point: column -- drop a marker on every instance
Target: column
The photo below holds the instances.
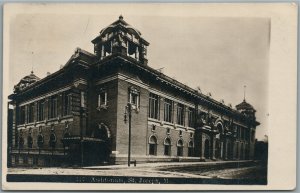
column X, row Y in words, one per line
column 186, row 116
column 26, row 114
column 202, row 146
column 233, row 150
column 213, row 147
column 60, row 105
column 174, row 110
column 225, row 149
column 137, row 53
column 46, row 107
column 35, row 112
column 161, row 108
column 102, row 51
column 221, row 149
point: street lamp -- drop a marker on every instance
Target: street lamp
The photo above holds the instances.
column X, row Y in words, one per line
column 128, row 110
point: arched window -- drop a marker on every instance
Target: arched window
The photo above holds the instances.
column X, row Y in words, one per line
column 52, row 140
column 191, row 149
column 21, row 140
column 220, row 128
column 29, row 141
column 40, row 140
column 152, row 145
column 179, row 147
column 167, row 146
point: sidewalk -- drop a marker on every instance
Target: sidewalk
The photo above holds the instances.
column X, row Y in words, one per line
column 167, row 164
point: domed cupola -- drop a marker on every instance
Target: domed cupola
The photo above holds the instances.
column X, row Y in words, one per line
column 121, row 38
column 246, row 108
column 25, row 82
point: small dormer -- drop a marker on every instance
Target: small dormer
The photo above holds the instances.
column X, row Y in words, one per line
column 121, row 38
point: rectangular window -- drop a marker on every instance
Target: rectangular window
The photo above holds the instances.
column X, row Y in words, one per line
column 134, row 97
column 102, row 99
column 191, row 117
column 67, row 104
column 53, row 107
column 168, row 110
column 41, row 110
column 153, row 106
column 30, row 113
column 180, row 114
column 22, row 115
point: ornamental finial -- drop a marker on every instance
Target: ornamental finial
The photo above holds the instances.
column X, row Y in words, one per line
column 245, row 92
column 120, row 17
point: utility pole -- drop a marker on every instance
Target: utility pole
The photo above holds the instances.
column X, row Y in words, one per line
column 81, row 135
column 82, row 107
column 128, row 109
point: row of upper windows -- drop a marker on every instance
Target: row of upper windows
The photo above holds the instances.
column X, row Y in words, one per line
column 154, row 105
column 168, row 105
column 245, row 134
column 36, row 111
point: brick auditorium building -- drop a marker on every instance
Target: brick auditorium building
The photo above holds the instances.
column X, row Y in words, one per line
column 81, row 113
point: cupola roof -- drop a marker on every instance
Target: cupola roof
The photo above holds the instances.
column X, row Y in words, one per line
column 26, row 81
column 244, row 106
column 120, row 22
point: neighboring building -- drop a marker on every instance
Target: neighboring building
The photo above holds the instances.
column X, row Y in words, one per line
column 80, row 114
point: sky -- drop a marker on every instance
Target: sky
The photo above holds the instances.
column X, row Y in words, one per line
column 219, row 54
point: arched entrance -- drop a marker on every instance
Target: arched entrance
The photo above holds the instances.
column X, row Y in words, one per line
column 219, row 152
column 97, row 150
column 206, row 149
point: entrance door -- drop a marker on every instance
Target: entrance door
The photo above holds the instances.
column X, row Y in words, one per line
column 206, row 149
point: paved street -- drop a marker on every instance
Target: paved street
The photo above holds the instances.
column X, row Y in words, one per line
column 203, row 170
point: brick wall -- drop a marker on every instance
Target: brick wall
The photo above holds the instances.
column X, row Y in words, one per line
column 139, row 121
column 107, row 115
column 161, row 134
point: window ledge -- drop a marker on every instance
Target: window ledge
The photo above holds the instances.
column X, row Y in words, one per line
column 104, row 106
column 154, row 120
column 168, row 123
column 190, row 128
column 180, row 126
